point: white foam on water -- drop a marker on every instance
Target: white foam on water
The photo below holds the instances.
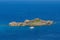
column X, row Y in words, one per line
column 31, row 27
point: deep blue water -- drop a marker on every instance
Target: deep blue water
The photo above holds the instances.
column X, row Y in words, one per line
column 19, row 11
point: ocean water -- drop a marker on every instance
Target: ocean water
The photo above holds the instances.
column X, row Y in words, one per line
column 19, row 11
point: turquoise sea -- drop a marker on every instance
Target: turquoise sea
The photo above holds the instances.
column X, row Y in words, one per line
column 19, row 11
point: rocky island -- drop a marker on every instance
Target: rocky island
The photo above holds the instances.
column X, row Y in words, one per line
column 34, row 22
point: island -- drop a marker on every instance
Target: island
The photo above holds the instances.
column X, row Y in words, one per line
column 32, row 23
